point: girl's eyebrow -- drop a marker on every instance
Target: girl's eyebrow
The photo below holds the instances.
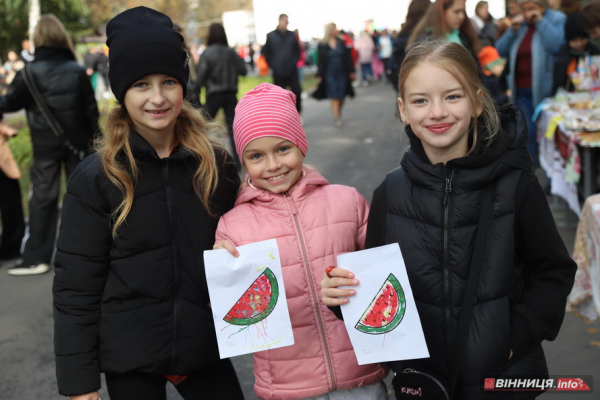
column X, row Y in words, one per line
column 278, row 144
column 445, row 91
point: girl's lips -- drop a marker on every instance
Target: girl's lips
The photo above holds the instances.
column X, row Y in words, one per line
column 439, row 128
column 156, row 113
column 279, row 177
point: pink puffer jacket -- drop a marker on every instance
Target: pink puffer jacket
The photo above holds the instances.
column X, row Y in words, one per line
column 313, row 223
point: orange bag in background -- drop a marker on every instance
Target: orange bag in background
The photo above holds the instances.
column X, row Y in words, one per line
column 262, row 66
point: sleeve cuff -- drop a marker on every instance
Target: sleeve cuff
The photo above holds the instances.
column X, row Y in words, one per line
column 77, row 374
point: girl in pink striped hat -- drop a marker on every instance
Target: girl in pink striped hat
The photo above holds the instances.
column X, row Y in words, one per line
column 313, row 222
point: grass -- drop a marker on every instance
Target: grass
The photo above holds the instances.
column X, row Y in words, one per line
column 21, row 145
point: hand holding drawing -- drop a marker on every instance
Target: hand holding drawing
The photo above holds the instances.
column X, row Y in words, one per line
column 330, row 294
column 227, row 245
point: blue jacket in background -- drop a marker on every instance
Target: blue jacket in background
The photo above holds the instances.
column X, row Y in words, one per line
column 548, row 39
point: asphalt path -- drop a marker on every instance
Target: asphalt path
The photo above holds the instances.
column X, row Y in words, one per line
column 359, row 154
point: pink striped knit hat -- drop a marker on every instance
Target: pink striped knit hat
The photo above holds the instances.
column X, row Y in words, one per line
column 267, row 110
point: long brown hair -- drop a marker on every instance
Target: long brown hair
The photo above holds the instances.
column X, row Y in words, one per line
column 192, row 131
column 435, row 20
column 49, row 31
column 457, row 60
column 416, row 10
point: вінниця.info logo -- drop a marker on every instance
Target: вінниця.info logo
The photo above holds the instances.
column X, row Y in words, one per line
column 554, row 383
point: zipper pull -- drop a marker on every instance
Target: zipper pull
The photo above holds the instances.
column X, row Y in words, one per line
column 447, row 191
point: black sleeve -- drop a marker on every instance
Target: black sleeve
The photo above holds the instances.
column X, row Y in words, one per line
column 548, row 270
column 17, row 95
column 560, row 74
column 376, row 228
column 266, row 50
column 81, row 268
column 321, row 59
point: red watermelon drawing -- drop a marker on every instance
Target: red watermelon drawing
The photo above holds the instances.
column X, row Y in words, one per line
column 386, row 310
column 257, row 302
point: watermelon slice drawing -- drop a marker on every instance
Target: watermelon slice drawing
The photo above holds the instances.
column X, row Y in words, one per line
column 386, row 310
column 257, row 302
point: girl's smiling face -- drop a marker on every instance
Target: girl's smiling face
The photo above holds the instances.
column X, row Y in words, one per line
column 438, row 109
column 154, row 102
column 273, row 163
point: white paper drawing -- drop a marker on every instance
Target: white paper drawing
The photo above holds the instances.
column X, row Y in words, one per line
column 382, row 318
column 248, row 300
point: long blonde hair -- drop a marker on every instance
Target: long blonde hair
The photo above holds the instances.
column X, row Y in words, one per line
column 192, row 131
column 328, row 32
column 457, row 60
column 49, row 31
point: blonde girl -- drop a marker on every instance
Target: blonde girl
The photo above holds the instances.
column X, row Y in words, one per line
column 459, row 145
column 130, row 296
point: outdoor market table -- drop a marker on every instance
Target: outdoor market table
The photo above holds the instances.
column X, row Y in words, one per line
column 560, row 159
column 584, row 299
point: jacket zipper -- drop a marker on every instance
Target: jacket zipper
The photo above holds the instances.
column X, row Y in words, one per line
column 314, row 297
column 176, row 299
column 447, row 293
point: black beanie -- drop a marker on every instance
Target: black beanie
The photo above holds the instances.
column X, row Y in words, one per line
column 573, row 29
column 141, row 42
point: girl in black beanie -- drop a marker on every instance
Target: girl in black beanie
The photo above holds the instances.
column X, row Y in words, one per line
column 130, row 295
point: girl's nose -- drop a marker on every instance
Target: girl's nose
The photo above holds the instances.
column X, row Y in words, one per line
column 157, row 96
column 272, row 163
column 437, row 110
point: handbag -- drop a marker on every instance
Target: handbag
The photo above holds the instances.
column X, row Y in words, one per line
column 410, row 383
column 48, row 116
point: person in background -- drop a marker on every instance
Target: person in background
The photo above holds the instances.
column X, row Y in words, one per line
column 566, row 6
column 138, row 214
column 385, row 52
column 335, row 72
column 531, row 46
column 11, row 206
column 302, row 60
column 416, row 11
column 12, row 65
column 218, row 72
column 578, row 46
column 590, row 20
column 492, row 66
column 66, row 89
column 365, row 47
column 26, row 54
column 447, row 20
column 282, row 53
column 485, row 23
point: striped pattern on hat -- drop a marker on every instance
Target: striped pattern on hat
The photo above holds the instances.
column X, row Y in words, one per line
column 267, row 110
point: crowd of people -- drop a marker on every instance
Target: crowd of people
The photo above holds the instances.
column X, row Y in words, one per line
column 154, row 190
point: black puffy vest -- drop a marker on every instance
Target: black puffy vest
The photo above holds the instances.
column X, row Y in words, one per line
column 432, row 212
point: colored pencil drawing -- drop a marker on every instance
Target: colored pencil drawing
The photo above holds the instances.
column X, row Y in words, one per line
column 386, row 310
column 257, row 302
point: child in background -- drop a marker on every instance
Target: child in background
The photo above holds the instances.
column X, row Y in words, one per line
column 130, row 295
column 313, row 222
column 492, row 66
column 461, row 144
column 578, row 46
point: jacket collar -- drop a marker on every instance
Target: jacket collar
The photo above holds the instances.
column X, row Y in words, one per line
column 44, row 53
column 487, row 162
column 144, row 151
column 305, row 186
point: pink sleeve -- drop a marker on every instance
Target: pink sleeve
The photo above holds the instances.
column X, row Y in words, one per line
column 363, row 216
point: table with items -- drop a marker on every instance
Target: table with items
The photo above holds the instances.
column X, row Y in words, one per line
column 584, row 299
column 568, row 125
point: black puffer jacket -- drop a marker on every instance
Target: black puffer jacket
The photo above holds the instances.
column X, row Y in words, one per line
column 219, row 68
column 432, row 212
column 67, row 90
column 139, row 301
column 282, row 52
